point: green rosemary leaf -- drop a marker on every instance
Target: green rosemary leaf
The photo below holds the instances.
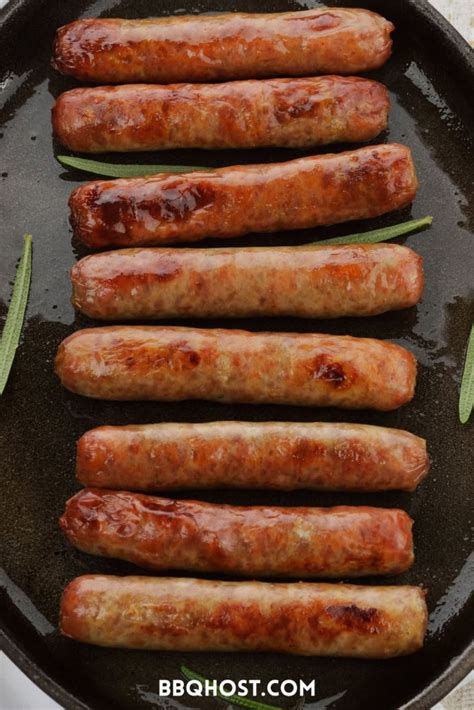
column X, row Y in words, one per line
column 379, row 235
column 466, row 396
column 122, row 171
column 16, row 313
column 233, row 699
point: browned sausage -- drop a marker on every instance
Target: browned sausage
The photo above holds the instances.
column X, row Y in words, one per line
column 172, row 614
column 261, row 541
column 227, row 46
column 229, row 202
column 275, row 455
column 172, row 364
column 308, row 282
column 242, row 114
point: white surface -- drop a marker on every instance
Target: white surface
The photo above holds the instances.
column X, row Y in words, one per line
column 461, row 698
column 17, row 692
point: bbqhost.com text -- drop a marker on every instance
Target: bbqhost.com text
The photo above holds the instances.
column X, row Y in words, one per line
column 252, row 688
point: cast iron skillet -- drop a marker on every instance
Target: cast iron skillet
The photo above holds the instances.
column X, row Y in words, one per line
column 430, row 78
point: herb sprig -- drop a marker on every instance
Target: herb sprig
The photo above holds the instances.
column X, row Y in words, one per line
column 120, row 170
column 380, row 235
column 466, row 395
column 233, row 699
column 16, row 312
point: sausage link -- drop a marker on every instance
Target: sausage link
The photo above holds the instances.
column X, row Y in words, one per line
column 307, row 282
column 272, row 455
column 230, row 202
column 261, row 541
column 294, row 113
column 228, row 46
column 174, row 364
column 170, row 614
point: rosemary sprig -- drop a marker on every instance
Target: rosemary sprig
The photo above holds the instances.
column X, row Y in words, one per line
column 380, row 235
column 233, row 699
column 466, row 395
column 122, row 171
column 16, row 313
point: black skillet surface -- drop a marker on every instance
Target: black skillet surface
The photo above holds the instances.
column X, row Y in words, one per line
column 430, row 77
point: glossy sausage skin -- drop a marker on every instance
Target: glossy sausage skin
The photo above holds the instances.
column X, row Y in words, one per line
column 307, row 282
column 170, row 614
column 293, row 113
column 227, row 46
column 229, row 202
column 174, row 364
column 271, row 455
column 261, row 541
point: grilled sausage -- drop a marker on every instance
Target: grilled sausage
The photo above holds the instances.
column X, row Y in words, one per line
column 229, row 202
column 294, row 113
column 273, row 455
column 308, row 282
column 170, row 614
column 228, row 46
column 262, row 541
column 173, row 364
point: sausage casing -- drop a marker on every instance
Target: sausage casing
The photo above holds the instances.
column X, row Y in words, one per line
column 201, row 615
column 229, row 202
column 227, row 46
column 308, row 282
column 174, row 363
column 273, row 455
column 260, row 541
column 294, row 113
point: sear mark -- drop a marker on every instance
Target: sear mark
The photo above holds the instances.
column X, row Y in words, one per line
column 353, row 617
column 322, row 368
